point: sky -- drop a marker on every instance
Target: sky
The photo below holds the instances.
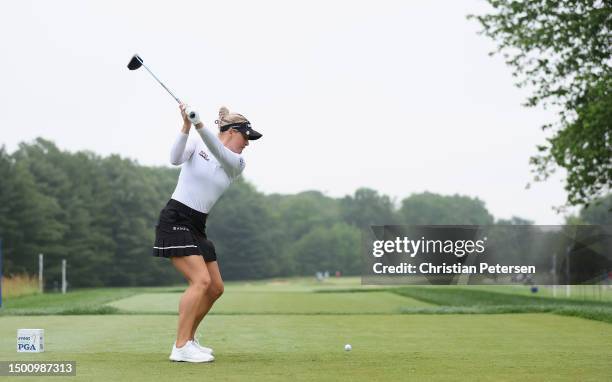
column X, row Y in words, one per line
column 398, row 96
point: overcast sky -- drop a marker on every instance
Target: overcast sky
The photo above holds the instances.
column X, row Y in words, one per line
column 399, row 96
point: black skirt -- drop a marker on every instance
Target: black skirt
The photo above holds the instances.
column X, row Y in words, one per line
column 181, row 231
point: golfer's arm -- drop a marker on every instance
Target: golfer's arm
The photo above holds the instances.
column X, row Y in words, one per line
column 181, row 151
column 231, row 162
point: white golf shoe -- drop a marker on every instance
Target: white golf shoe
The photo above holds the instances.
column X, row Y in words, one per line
column 202, row 348
column 189, row 353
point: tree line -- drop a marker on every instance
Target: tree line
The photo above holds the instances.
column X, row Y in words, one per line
column 99, row 213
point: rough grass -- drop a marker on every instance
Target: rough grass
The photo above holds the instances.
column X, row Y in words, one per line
column 475, row 301
column 478, row 300
column 19, row 285
column 596, row 292
column 467, row 296
column 84, row 301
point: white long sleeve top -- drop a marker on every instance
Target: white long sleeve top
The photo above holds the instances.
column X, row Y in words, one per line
column 208, row 168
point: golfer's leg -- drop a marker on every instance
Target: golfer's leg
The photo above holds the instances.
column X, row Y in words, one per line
column 195, row 271
column 214, row 291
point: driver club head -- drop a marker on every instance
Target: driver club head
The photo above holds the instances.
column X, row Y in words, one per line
column 135, row 62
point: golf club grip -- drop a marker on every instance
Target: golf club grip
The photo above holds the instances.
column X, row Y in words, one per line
column 193, row 116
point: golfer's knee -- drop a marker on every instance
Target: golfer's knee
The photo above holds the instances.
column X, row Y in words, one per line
column 215, row 290
column 201, row 284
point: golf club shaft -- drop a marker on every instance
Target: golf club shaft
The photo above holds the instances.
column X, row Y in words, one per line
column 161, row 83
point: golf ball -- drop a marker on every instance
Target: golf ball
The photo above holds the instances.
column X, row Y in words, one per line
column 348, row 347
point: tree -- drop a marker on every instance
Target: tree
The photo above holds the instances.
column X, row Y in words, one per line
column 34, row 216
column 562, row 50
column 300, row 213
column 98, row 213
column 367, row 208
column 240, row 228
column 9, row 227
column 515, row 220
column 328, row 249
column 599, row 212
column 428, row 208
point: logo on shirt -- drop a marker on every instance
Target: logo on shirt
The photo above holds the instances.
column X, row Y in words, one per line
column 203, row 155
column 175, row 228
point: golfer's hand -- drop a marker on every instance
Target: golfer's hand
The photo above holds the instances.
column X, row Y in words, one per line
column 186, row 121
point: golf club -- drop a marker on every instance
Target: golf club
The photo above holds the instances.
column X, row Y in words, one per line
column 136, row 62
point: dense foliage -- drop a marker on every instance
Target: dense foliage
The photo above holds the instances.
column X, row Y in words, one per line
column 99, row 213
column 562, row 51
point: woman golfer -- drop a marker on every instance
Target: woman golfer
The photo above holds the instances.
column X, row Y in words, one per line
column 210, row 165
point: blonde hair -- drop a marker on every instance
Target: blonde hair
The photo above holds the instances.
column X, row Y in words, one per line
column 226, row 118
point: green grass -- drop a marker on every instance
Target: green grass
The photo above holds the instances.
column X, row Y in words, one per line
column 306, row 296
column 280, row 285
column 299, row 284
column 468, row 296
column 296, row 329
column 599, row 293
column 85, row 301
column 277, row 303
column 477, row 301
column 526, row 347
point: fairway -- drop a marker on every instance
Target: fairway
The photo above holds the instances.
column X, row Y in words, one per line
column 278, row 303
column 527, row 347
